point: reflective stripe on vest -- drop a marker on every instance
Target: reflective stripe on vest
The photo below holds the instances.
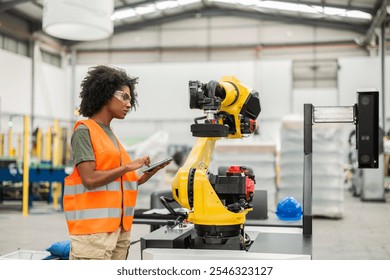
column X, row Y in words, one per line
column 130, row 186
column 129, row 211
column 97, row 213
column 79, row 188
column 93, row 214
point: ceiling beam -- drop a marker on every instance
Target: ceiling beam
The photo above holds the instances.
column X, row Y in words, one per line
column 380, row 16
column 262, row 46
column 6, row 5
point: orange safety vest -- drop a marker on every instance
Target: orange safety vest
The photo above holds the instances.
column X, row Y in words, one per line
column 105, row 208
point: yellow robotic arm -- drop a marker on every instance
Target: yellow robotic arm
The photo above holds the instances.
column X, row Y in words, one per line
column 219, row 203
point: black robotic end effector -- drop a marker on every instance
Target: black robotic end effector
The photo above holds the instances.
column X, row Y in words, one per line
column 249, row 112
column 367, row 128
column 207, row 97
column 209, row 130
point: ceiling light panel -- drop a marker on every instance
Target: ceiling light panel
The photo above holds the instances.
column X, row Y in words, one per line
column 296, row 7
column 148, row 9
column 163, row 5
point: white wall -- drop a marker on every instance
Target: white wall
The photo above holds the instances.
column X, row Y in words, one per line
column 356, row 73
column 315, row 96
column 15, row 86
column 52, row 98
column 52, row 92
column 274, row 83
column 361, row 73
column 15, row 89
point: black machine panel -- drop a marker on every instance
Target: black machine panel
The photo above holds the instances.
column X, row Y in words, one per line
column 367, row 128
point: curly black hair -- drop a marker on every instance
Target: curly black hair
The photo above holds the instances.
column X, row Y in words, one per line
column 99, row 85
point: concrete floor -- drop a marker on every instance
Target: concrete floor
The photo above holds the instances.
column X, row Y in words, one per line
column 362, row 234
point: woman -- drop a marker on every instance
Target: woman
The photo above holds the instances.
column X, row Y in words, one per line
column 100, row 194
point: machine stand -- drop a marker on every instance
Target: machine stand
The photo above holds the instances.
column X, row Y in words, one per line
column 364, row 115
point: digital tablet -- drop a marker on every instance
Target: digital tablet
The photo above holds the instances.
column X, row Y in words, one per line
column 153, row 166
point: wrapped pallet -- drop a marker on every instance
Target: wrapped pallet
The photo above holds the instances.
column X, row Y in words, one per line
column 327, row 166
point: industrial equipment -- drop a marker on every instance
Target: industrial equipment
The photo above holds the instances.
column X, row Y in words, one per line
column 364, row 115
column 218, row 204
column 216, row 224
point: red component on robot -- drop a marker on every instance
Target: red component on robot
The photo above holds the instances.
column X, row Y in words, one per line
column 250, row 187
column 249, row 183
column 234, row 169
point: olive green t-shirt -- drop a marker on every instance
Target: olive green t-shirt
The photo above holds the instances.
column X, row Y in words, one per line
column 82, row 146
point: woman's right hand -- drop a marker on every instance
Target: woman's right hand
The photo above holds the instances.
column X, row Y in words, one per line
column 138, row 163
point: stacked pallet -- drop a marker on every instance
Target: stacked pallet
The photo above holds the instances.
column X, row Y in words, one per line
column 327, row 167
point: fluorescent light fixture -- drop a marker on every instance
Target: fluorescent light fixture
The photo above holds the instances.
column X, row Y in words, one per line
column 358, row 14
column 121, row 14
column 334, row 11
column 278, row 5
column 164, row 5
column 301, row 8
column 187, row 2
column 239, row 2
column 275, row 5
column 150, row 8
column 145, row 9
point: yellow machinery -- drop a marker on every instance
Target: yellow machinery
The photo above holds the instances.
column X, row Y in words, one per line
column 218, row 204
column 46, row 169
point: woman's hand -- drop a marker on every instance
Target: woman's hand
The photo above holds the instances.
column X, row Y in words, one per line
column 138, row 163
column 147, row 175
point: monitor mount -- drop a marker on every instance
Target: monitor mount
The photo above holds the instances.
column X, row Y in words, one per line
column 364, row 115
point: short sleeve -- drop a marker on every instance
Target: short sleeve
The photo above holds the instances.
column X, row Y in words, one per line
column 81, row 145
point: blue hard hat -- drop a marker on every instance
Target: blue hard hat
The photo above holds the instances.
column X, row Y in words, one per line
column 289, row 209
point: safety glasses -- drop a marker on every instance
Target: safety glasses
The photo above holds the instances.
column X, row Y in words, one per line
column 122, row 96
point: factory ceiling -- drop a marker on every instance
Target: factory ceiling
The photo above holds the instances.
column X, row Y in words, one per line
column 361, row 16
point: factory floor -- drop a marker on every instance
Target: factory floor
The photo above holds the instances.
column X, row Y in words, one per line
column 362, row 234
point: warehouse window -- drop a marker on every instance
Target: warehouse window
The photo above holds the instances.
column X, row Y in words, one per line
column 13, row 45
column 22, row 48
column 50, row 58
column 319, row 73
column 10, row 44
